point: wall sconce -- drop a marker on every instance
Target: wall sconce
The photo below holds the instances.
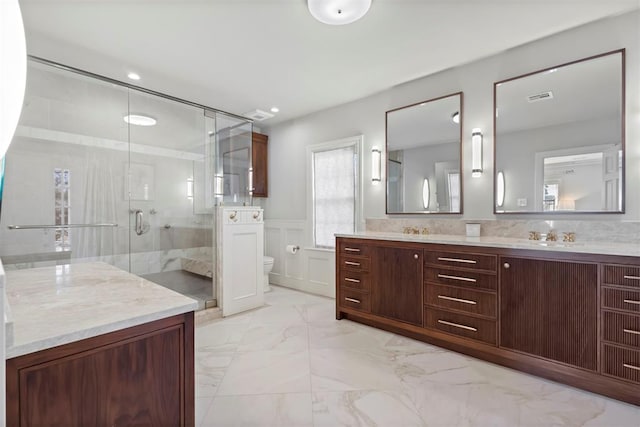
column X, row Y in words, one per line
column 218, row 185
column 376, row 165
column 500, row 189
column 426, row 193
column 190, row 188
column 476, row 152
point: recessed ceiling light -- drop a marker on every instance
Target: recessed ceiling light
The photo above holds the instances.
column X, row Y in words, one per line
column 274, row 109
column 455, row 117
column 338, row 12
column 422, row 104
column 140, row 120
column 134, row 76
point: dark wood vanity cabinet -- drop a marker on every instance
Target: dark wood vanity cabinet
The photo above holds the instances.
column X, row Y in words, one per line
column 383, row 280
column 142, row 375
column 396, row 291
column 569, row 317
column 550, row 309
column 259, row 157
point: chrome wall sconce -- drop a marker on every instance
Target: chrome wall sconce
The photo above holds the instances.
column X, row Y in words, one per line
column 500, row 189
column 426, row 193
column 190, row 188
column 476, row 152
column 376, row 165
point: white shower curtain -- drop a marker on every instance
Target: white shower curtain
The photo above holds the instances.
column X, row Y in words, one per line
column 99, row 206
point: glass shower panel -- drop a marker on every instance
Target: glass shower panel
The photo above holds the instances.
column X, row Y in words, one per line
column 171, row 231
column 63, row 199
column 233, row 160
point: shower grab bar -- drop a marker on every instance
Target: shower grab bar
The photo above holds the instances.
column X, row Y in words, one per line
column 34, row 227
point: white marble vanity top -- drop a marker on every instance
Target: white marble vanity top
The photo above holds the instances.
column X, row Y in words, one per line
column 56, row 305
column 603, row 248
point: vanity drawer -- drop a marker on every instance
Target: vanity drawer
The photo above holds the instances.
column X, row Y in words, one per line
column 461, row 325
column 348, row 247
column 467, row 300
column 621, row 275
column 462, row 260
column 355, row 280
column 621, row 299
column 621, row 328
column 355, row 299
column 354, row 263
column 621, row 362
column 467, row 279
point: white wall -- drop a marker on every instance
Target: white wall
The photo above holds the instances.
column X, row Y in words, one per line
column 287, row 141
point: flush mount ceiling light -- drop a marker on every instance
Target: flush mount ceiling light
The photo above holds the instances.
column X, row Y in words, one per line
column 140, row 120
column 455, row 117
column 338, row 12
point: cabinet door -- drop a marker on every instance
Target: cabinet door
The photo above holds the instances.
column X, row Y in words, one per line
column 259, row 163
column 549, row 309
column 134, row 382
column 396, row 290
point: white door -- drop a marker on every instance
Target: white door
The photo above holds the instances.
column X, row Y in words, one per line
column 240, row 255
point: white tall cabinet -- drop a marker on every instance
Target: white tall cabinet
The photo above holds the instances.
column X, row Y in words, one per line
column 240, row 231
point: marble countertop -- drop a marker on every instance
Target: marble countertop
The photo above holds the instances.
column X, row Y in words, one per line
column 51, row 306
column 602, row 248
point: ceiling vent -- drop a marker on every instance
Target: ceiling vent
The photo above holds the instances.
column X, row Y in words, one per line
column 258, row 115
column 543, row 96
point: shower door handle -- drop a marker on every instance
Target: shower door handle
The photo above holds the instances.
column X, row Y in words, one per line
column 139, row 222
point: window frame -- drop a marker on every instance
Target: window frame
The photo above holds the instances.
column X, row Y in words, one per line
column 357, row 143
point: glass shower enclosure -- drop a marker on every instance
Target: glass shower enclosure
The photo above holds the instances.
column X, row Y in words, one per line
column 100, row 171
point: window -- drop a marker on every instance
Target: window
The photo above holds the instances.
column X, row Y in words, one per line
column 61, row 181
column 335, row 183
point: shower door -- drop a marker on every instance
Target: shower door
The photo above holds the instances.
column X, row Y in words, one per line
column 171, row 230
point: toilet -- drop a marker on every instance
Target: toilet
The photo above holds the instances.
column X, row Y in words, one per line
column 268, row 265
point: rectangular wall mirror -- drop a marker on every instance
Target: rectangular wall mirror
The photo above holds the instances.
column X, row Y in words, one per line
column 559, row 138
column 423, row 157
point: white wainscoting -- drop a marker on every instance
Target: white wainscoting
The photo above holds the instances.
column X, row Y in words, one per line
column 309, row 270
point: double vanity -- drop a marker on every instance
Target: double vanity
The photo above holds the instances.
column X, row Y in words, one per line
column 569, row 312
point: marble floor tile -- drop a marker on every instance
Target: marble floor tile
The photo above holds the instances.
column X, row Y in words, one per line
column 364, row 408
column 265, row 410
column 293, row 337
column 291, row 363
column 270, row 371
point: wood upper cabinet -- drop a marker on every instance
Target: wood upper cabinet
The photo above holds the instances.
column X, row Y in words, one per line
column 550, row 309
column 396, row 283
column 259, row 163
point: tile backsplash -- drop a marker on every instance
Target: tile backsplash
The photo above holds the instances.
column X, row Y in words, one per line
column 601, row 231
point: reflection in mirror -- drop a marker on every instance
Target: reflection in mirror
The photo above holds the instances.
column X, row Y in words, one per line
column 423, row 157
column 559, row 138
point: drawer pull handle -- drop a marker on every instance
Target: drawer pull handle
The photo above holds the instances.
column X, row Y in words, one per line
column 630, row 301
column 357, row 264
column 351, row 250
column 632, row 277
column 465, row 301
column 349, row 279
column 357, row 301
column 457, row 325
column 626, row 365
column 465, row 261
column 631, row 331
column 464, row 279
